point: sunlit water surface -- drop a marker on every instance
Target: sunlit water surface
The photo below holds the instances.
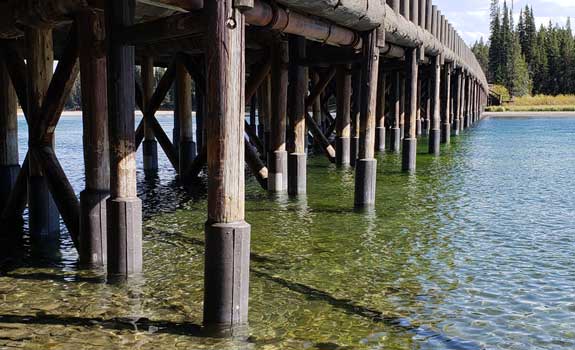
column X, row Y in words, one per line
column 477, row 251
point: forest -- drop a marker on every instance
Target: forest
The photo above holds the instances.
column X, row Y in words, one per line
column 525, row 59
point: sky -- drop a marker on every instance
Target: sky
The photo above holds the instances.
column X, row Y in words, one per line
column 471, row 17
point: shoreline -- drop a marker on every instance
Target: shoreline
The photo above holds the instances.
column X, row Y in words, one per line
column 529, row 114
column 79, row 113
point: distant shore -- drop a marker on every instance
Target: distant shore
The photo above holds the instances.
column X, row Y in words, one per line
column 530, row 114
column 77, row 113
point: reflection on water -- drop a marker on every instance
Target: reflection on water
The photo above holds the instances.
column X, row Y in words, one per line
column 474, row 252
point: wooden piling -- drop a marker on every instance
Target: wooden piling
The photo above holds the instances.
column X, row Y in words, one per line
column 43, row 214
column 355, row 114
column 343, row 119
column 226, row 279
column 150, row 145
column 366, row 165
column 395, row 133
column 380, row 112
column 93, row 224
column 435, row 132
column 446, row 110
column 277, row 154
column 457, row 104
column 183, row 112
column 9, row 166
column 410, row 140
column 124, row 208
column 297, row 159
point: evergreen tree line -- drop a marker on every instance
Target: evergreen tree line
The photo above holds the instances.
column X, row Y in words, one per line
column 524, row 59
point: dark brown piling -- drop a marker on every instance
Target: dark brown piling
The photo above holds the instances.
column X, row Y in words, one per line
column 150, row 145
column 395, row 132
column 435, row 132
column 366, row 165
column 93, row 223
column 355, row 114
column 380, row 111
column 124, row 208
column 343, row 119
column 9, row 166
column 446, row 110
column 457, row 104
column 410, row 140
column 183, row 112
column 226, row 278
column 297, row 159
column 277, row 154
column 43, row 214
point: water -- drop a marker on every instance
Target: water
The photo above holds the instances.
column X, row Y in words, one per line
column 474, row 252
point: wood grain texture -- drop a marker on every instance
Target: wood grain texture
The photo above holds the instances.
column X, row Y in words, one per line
column 121, row 101
column 370, row 71
column 8, row 119
column 91, row 34
column 225, row 79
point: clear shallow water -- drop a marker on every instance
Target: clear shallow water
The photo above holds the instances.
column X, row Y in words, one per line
column 474, row 252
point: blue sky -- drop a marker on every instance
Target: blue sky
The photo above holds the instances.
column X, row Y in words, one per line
column 471, row 17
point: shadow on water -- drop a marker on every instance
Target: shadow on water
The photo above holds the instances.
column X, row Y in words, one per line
column 345, row 305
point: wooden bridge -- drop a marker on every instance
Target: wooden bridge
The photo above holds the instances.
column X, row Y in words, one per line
column 396, row 70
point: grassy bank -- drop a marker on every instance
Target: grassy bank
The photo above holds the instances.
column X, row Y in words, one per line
column 538, row 103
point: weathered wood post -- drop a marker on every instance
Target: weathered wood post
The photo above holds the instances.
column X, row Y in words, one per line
column 410, row 140
column 9, row 166
column 435, row 132
column 200, row 113
column 277, row 157
column 43, row 214
column 124, row 208
column 343, row 127
column 402, row 105
column 355, row 114
column 418, row 120
column 226, row 278
column 395, row 133
column 265, row 113
column 428, row 92
column 466, row 98
column 380, row 111
column 457, row 103
column 93, row 223
column 183, row 112
column 150, row 145
column 316, row 107
column 366, row 165
column 446, row 112
column 297, row 161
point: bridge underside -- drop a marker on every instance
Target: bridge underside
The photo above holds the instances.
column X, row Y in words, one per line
column 394, row 71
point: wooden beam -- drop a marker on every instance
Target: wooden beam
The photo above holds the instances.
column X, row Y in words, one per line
column 17, row 70
column 178, row 27
column 61, row 189
column 58, row 92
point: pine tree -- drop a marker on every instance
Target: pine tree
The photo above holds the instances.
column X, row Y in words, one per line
column 481, row 52
column 495, row 52
column 520, row 81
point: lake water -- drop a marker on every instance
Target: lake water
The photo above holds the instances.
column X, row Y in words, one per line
column 476, row 251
